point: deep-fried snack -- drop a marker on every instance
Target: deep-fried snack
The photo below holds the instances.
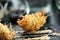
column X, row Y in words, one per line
column 5, row 33
column 32, row 22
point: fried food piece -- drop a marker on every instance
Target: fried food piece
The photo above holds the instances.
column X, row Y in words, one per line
column 5, row 33
column 32, row 22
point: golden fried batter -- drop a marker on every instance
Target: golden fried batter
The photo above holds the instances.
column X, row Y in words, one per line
column 4, row 33
column 32, row 22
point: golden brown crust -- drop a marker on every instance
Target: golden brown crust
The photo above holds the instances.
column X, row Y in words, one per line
column 32, row 22
column 4, row 33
